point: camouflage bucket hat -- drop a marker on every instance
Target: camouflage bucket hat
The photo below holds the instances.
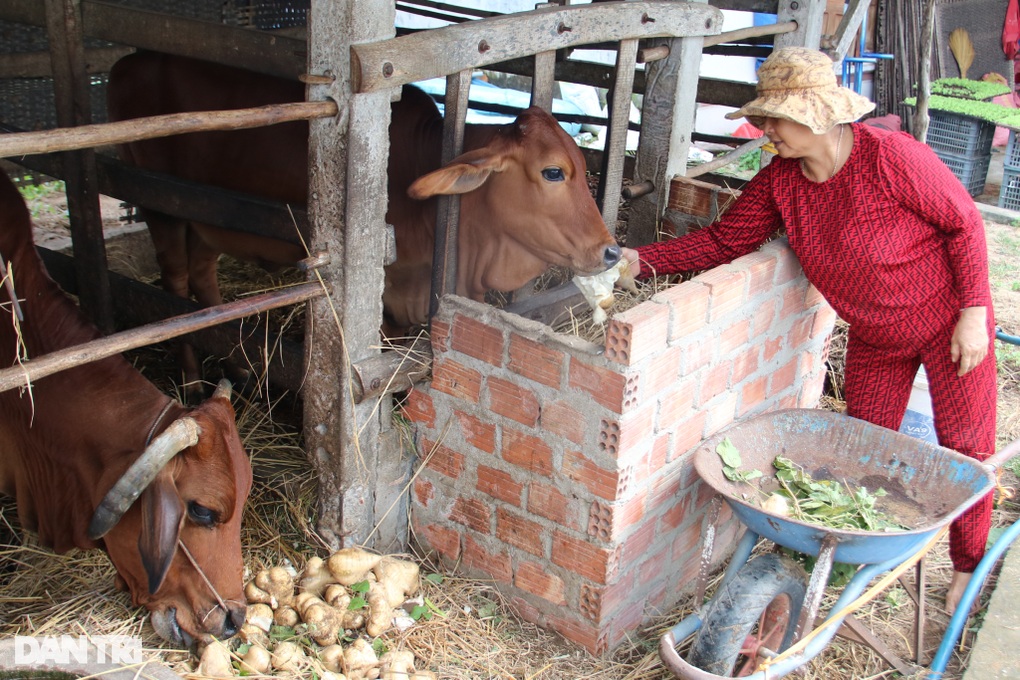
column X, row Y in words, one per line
column 798, row 84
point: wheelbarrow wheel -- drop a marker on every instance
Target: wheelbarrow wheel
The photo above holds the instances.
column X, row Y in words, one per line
column 756, row 610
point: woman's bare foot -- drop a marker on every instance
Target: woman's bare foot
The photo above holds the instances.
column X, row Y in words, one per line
column 955, row 590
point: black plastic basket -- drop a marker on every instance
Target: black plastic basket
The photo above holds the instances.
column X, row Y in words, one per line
column 1011, row 161
column 971, row 171
column 959, row 135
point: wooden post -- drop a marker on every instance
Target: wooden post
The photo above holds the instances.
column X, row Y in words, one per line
column 608, row 197
column 71, row 93
column 921, row 119
column 667, row 121
column 347, row 205
column 809, row 15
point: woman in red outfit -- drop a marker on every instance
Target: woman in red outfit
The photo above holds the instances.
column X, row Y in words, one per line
column 893, row 242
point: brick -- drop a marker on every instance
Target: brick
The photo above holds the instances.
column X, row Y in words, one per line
column 495, row 564
column 714, row 382
column 627, row 619
column 418, row 408
column 661, row 373
column 637, row 333
column 598, row 480
column 812, row 297
column 793, row 302
column 783, row 377
column 811, row 392
column 476, row 339
column 535, row 361
column 689, row 434
column 424, row 492
column 477, row 433
column 771, row 349
column 655, row 568
column 549, row 502
column 689, row 304
column 472, row 513
column 442, row 459
column 500, row 485
column 799, row 332
column 512, row 401
column 677, row 514
column 562, row 419
column 583, row 558
column 659, row 454
column 439, row 335
column 787, row 267
column 608, row 388
column 753, row 394
column 721, row 413
column 687, row 544
column 665, row 490
column 608, row 522
column 744, row 364
column 725, row 290
column 734, row 337
column 697, row 354
column 637, row 544
column 537, row 580
column 527, row 452
column 675, row 406
column 456, row 379
column 442, row 539
column 761, row 271
column 519, row 532
column 825, row 319
column 764, row 317
column 580, row 633
column 626, row 439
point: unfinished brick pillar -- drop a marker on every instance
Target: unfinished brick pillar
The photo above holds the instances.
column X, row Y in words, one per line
column 562, row 470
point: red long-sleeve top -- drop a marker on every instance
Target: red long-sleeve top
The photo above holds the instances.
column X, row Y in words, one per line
column 893, row 241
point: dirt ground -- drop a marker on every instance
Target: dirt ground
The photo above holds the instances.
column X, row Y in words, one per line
column 478, row 637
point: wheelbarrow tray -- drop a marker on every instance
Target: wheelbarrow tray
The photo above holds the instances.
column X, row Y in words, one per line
column 927, row 485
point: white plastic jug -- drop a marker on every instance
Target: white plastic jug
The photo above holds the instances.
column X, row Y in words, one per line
column 918, row 421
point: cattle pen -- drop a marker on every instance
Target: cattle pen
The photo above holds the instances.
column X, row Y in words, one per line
column 557, row 467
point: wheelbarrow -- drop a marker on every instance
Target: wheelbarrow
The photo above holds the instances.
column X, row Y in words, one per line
column 764, row 605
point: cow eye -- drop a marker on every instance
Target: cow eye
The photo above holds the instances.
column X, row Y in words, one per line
column 553, row 174
column 201, row 515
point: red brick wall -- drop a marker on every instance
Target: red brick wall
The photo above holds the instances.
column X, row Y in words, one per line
column 562, row 469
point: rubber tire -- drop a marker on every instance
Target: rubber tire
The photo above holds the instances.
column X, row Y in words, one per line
column 736, row 609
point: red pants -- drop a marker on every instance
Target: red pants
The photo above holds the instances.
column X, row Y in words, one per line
column 877, row 388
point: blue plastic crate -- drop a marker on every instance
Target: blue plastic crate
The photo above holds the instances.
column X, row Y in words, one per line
column 1009, row 192
column 972, row 172
column 959, row 135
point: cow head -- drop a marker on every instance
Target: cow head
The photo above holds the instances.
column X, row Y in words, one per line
column 178, row 548
column 527, row 186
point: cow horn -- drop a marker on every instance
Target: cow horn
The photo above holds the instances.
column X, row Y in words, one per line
column 223, row 390
column 181, row 434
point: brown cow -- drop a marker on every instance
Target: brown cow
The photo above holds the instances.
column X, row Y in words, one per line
column 88, row 441
column 525, row 202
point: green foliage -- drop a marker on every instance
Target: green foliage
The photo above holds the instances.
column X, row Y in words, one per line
column 732, row 462
column 379, row 646
column 965, row 88
column 435, row 579
column 829, row 503
column 993, row 113
column 750, row 161
column 839, row 575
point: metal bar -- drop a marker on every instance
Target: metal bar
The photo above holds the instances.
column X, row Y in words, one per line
column 817, row 584
column 86, row 136
column 34, row 369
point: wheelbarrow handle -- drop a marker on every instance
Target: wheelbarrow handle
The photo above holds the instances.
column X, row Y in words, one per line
column 997, row 460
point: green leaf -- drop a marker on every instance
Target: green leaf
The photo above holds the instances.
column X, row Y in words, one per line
column 729, row 453
column 360, row 587
column 379, row 646
column 435, row 579
column 281, row 633
column 357, row 603
column 420, row 612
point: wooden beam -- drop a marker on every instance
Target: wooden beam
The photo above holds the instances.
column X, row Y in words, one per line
column 87, row 136
column 809, row 15
column 441, row 51
column 39, row 64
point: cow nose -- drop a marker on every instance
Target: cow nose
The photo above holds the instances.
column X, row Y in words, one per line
column 611, row 256
column 233, row 621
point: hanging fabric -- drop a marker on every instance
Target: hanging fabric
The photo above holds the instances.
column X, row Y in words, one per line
column 1011, row 29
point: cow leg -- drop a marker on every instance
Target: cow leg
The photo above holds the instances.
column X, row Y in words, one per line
column 170, row 241
column 202, row 261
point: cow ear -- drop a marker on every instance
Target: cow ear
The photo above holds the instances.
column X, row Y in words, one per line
column 463, row 174
column 162, row 516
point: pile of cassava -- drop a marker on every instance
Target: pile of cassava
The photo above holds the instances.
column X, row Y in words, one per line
column 321, row 621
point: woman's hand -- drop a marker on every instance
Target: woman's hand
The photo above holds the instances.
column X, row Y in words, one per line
column 970, row 339
column 633, row 261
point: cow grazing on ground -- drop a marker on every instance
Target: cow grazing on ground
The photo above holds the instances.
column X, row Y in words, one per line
column 97, row 456
column 525, row 203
